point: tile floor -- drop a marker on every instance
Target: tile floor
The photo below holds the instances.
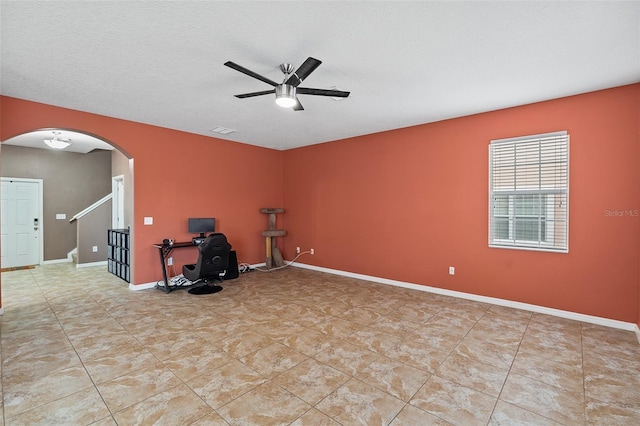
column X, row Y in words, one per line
column 298, row 347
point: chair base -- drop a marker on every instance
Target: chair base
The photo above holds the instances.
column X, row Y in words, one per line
column 205, row 289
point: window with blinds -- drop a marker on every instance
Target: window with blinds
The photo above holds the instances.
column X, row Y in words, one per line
column 529, row 192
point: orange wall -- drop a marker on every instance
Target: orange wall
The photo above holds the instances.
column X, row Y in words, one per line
column 407, row 204
column 176, row 175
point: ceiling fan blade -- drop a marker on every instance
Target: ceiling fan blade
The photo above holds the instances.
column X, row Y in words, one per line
column 303, row 71
column 250, row 73
column 322, row 92
column 297, row 106
column 252, row 94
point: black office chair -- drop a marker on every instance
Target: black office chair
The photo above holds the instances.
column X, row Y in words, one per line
column 212, row 264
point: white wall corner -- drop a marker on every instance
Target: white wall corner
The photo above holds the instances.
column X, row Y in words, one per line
column 71, row 253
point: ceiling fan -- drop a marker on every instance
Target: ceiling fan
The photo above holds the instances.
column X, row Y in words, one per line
column 286, row 93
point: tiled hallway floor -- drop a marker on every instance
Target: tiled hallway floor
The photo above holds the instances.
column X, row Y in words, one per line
column 298, row 347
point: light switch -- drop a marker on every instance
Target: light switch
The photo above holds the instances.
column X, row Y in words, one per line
column 148, row 220
column 61, row 216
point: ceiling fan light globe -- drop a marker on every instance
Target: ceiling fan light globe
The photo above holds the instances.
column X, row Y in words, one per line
column 56, row 143
column 285, row 95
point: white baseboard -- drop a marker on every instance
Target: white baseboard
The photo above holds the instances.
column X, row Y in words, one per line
column 136, row 287
column 495, row 301
column 89, row 264
column 51, row 262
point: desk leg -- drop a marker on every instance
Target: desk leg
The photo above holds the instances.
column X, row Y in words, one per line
column 164, row 269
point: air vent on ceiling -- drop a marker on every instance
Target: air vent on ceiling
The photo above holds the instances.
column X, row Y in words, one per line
column 222, row 130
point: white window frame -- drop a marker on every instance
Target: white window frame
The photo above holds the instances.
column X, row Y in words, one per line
column 555, row 188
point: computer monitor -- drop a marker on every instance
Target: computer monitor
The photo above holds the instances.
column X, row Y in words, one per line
column 202, row 225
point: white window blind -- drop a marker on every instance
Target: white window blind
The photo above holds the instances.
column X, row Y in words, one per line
column 529, row 192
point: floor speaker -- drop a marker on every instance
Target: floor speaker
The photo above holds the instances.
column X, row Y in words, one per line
column 232, row 271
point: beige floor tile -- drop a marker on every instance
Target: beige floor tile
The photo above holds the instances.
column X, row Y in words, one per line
column 68, row 334
column 309, row 342
column 617, row 389
column 360, row 315
column 226, row 383
column 277, row 329
column 493, row 333
column 172, row 345
column 211, row 419
column 476, row 375
column 244, row 343
column 311, row 381
column 273, row 359
column 549, row 401
column 25, row 395
column 100, row 348
column 194, row 363
column 375, row 340
column 569, row 377
column 417, row 354
column 454, row 403
column 314, row 417
column 438, row 334
column 611, row 414
column 398, row 379
column 412, row 416
column 83, row 407
column 487, row 353
column 506, row 414
column 356, row 402
column 29, row 368
column 346, row 357
column 136, row 386
column 118, row 364
column 175, row 406
column 265, row 405
column 336, row 327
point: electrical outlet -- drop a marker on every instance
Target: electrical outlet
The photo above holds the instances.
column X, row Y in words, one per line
column 170, row 261
column 297, row 250
column 452, row 270
column 312, row 251
column 95, row 249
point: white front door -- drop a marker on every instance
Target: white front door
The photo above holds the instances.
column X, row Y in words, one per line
column 21, row 222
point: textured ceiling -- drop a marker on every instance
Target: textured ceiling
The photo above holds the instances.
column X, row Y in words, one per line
column 405, row 63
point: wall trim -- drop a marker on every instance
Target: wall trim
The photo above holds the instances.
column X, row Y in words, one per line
column 89, row 264
column 143, row 286
column 52, row 261
column 628, row 326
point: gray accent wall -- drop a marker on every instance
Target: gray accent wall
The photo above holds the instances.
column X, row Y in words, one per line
column 92, row 232
column 71, row 182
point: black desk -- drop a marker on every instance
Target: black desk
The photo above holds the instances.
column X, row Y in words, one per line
column 164, row 251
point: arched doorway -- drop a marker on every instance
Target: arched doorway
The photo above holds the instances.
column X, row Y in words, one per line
column 73, row 179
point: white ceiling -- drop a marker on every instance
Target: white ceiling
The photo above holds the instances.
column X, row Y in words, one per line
column 405, row 63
